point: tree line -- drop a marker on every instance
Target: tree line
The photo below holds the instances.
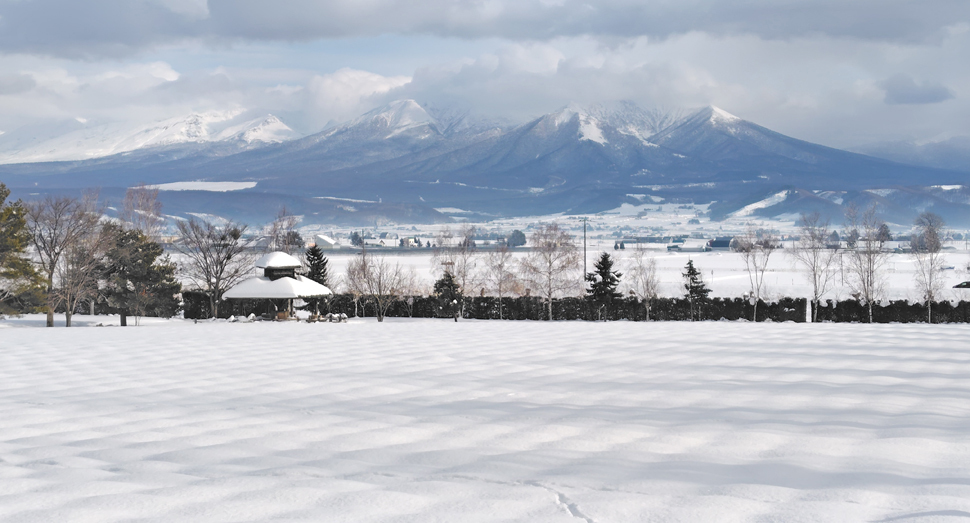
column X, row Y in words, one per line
column 59, row 254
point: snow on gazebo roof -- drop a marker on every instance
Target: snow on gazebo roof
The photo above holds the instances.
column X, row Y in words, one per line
column 277, row 260
column 262, row 287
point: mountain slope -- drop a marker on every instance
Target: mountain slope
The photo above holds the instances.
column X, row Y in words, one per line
column 577, row 159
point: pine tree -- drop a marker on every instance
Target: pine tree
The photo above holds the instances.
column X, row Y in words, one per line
column 697, row 290
column 318, row 271
column 17, row 273
column 137, row 281
column 603, row 282
column 317, row 266
column 448, row 295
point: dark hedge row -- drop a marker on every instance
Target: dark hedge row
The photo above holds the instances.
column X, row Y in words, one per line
column 894, row 311
column 196, row 306
column 522, row 308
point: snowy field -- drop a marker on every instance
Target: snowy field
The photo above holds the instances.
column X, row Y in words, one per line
column 484, row 421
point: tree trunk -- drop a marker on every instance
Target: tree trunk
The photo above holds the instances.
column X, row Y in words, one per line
column 549, row 303
column 67, row 317
column 124, row 318
column 929, row 311
column 754, row 315
column 870, row 311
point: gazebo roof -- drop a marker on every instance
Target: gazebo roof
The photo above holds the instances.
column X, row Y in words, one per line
column 277, row 260
column 262, row 287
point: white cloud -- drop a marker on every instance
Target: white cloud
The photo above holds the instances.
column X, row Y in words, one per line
column 820, row 88
column 97, row 28
column 345, row 93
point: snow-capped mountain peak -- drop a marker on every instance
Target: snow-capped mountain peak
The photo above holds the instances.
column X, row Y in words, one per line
column 84, row 140
column 393, row 118
column 266, row 130
column 719, row 115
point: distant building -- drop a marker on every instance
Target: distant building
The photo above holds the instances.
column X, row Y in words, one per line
column 325, row 243
column 721, row 243
column 693, row 245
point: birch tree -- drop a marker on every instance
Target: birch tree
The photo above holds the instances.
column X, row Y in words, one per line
column 500, row 273
column 926, row 244
column 756, row 248
column 141, row 211
column 643, row 280
column 377, row 280
column 866, row 259
column 812, row 253
column 550, row 267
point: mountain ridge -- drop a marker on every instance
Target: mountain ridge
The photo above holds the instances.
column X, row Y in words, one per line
column 576, row 159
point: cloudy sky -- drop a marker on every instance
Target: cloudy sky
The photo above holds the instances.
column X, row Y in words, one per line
column 838, row 72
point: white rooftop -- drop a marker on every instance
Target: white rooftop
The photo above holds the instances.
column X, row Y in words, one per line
column 277, row 260
column 262, row 287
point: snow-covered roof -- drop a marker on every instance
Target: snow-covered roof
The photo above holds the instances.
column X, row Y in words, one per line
column 262, row 287
column 322, row 239
column 277, row 260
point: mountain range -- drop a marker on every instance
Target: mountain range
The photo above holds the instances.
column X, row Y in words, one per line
column 401, row 162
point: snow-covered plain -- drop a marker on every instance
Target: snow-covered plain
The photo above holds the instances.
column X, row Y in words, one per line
column 484, row 421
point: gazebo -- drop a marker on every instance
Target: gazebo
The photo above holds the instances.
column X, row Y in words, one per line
column 278, row 282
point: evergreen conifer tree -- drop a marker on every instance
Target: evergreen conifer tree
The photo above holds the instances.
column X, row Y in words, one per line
column 448, row 295
column 318, row 271
column 697, row 291
column 17, row 273
column 317, row 266
column 137, row 281
column 602, row 283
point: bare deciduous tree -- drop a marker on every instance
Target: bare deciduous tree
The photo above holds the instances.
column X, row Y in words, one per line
column 411, row 286
column 283, row 235
column 215, row 257
column 79, row 270
column 376, row 280
column 56, row 224
column 500, row 273
column 756, row 248
column 926, row 244
column 551, row 266
column 460, row 259
column 866, row 258
column 642, row 278
column 812, row 253
column 142, row 211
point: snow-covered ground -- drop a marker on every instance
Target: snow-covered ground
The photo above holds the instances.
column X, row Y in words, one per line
column 484, row 421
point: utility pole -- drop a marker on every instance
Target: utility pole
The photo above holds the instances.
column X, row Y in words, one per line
column 584, row 219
